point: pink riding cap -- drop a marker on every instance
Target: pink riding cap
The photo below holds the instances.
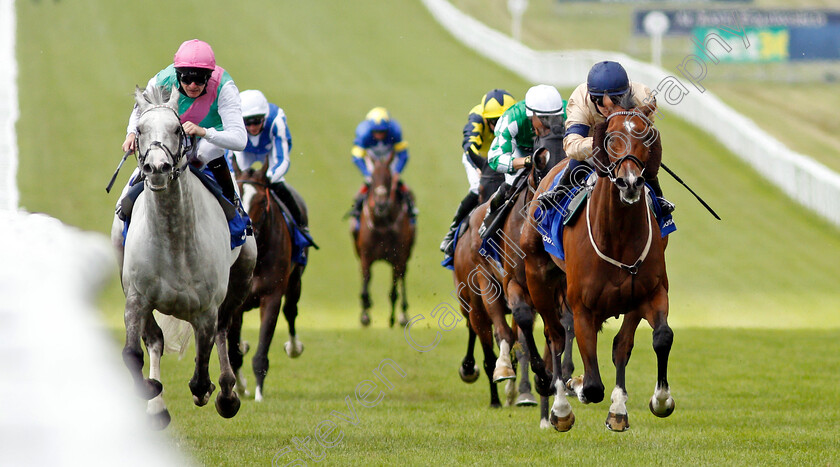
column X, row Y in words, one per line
column 195, row 54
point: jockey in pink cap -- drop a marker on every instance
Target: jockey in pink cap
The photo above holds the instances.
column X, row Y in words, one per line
column 209, row 107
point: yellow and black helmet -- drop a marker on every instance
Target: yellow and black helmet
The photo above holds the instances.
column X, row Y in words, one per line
column 495, row 102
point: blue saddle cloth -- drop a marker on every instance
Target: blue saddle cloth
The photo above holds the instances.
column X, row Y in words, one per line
column 299, row 241
column 550, row 222
column 489, row 248
column 238, row 225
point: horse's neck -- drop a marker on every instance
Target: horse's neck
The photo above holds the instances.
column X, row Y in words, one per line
column 171, row 213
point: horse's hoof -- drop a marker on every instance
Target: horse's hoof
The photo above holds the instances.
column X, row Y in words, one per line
column 159, row 421
column 227, row 406
column 503, row 373
column 562, row 424
column 545, row 424
column 258, row 397
column 526, row 399
column 469, row 377
column 403, row 319
column 365, row 319
column 244, row 347
column 150, row 389
column 617, row 422
column 203, row 400
column 293, row 350
column 664, row 411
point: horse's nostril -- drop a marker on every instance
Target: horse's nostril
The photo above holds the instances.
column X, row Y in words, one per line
column 640, row 182
column 621, row 183
column 147, row 168
column 166, row 167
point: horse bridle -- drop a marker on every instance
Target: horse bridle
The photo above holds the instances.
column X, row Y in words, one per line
column 613, row 167
column 175, row 156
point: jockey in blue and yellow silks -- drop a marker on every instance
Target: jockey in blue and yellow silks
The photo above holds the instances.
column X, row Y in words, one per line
column 378, row 135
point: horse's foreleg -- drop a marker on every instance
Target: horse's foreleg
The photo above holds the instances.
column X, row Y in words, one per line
column 269, row 312
column 365, row 293
column 661, row 404
column 544, row 400
column 590, row 388
column 135, row 322
column 504, row 367
column 393, row 296
column 293, row 346
column 523, row 315
column 561, row 416
column 404, row 314
column 617, row 419
column 205, row 331
column 155, row 408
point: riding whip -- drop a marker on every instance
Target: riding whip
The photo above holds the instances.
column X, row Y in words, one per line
column 690, row 190
column 114, row 177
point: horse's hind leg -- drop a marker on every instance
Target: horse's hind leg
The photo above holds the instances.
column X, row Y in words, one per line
column 399, row 278
column 293, row 347
column 525, row 397
column 617, row 419
column 469, row 369
column 156, row 408
column 269, row 312
column 227, row 401
column 236, row 352
column 393, row 296
column 135, row 322
column 200, row 385
column 484, row 330
column 404, row 315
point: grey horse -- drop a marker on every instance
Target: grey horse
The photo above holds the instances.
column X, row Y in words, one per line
column 177, row 260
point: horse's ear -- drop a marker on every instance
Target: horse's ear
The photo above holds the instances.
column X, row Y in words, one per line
column 232, row 159
column 173, row 98
column 140, row 98
column 540, row 158
column 648, row 107
column 264, row 168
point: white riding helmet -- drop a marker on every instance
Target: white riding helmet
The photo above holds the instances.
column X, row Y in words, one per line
column 253, row 103
column 543, row 99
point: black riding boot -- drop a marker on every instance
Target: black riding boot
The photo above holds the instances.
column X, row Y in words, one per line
column 665, row 206
column 496, row 203
column 219, row 168
column 467, row 204
column 288, row 200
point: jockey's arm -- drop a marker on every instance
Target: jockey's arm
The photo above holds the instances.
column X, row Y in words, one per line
column 503, row 151
column 281, row 140
column 358, row 154
column 233, row 135
column 401, row 149
column 473, row 140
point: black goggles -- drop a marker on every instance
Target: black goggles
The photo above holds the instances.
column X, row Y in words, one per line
column 251, row 121
column 599, row 100
column 196, row 78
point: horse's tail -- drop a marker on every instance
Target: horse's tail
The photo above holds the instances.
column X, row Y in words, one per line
column 176, row 334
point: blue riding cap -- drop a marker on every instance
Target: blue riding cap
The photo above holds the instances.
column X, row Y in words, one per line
column 607, row 78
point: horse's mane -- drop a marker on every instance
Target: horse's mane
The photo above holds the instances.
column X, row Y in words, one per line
column 157, row 95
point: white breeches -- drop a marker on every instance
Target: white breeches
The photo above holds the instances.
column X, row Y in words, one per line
column 473, row 174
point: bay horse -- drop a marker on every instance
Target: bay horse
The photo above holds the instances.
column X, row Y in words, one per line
column 385, row 233
column 177, row 259
column 615, row 265
column 276, row 275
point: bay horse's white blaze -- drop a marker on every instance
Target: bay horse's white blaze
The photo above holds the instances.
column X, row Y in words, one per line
column 504, row 368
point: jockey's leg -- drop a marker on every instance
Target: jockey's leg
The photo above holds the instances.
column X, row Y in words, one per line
column 467, row 204
column 279, row 188
column 665, row 206
column 220, row 170
column 409, row 199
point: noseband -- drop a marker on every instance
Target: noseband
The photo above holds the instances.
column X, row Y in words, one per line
column 175, row 156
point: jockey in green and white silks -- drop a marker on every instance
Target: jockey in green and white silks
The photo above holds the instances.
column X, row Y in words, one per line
column 514, row 139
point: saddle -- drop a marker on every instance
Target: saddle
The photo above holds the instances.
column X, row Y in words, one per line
column 501, row 204
column 127, row 202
